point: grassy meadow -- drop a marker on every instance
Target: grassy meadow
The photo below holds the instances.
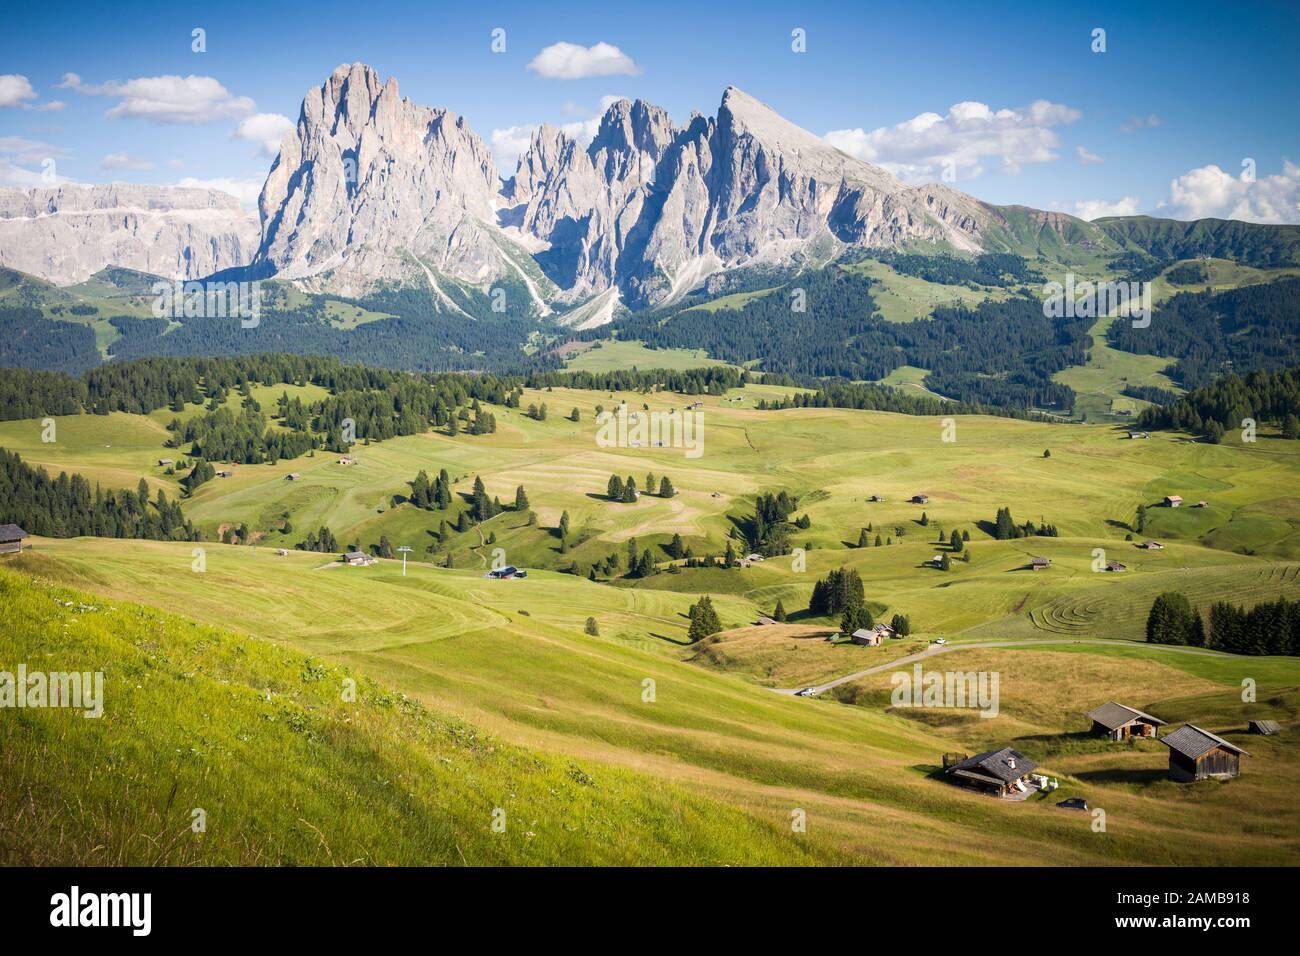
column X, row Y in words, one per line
column 662, row 717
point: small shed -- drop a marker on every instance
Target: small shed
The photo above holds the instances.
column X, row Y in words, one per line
column 1201, row 504
column 876, row 498
column 884, row 630
column 1152, row 545
column 765, row 620
column 358, row 559
column 1000, row 772
column 867, row 637
column 11, row 538
column 1040, row 564
column 1116, row 566
column 920, row 499
column 1196, row 754
column 1266, row 728
column 1136, row 435
column 1173, row 501
column 1120, row 722
column 292, row 476
column 164, row 462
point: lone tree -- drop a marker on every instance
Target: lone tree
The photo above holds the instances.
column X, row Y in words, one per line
column 564, row 525
column 862, row 538
column 591, row 627
column 704, row 619
column 666, row 489
column 925, row 519
column 779, row 613
column 1047, row 453
column 521, row 499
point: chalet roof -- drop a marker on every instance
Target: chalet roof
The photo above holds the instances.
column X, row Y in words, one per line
column 355, row 554
column 1191, row 741
column 998, row 763
column 1266, row 727
column 11, row 532
column 1112, row 715
column 1041, row 562
column 864, row 632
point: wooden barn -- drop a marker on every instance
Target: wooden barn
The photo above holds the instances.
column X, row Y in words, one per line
column 1266, row 728
column 867, row 638
column 1120, row 722
column 1196, row 754
column 1003, row 773
column 11, row 538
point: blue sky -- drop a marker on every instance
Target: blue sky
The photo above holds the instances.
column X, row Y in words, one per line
column 1160, row 122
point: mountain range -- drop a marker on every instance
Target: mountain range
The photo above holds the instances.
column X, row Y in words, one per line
column 370, row 190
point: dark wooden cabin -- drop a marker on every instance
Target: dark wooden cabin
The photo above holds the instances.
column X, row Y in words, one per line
column 11, row 538
column 1120, row 722
column 1196, row 754
column 1000, row 772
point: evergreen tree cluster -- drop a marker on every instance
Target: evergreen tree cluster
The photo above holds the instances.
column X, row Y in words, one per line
column 1005, row 528
column 67, row 506
column 839, row 590
column 1223, row 404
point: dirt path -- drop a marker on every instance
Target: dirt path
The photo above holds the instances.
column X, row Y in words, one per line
column 934, row 650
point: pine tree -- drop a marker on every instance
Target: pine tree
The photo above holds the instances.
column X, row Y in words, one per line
column 666, row 489
column 614, row 490
column 564, row 525
column 955, row 542
column 704, row 620
column 521, row 499
column 862, row 538
column 779, row 613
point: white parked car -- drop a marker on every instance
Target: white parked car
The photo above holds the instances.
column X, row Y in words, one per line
column 806, row 692
column 940, row 640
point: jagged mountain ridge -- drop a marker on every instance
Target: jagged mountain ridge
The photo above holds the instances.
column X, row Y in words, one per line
column 370, row 187
column 65, row 234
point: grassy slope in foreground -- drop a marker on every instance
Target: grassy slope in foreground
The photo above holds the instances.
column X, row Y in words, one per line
column 863, row 777
column 289, row 773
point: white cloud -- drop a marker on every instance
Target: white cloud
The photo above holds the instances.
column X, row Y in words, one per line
column 28, row 152
column 245, row 190
column 509, row 143
column 124, row 161
column 1091, row 209
column 1087, row 157
column 265, row 129
column 572, row 61
column 53, row 106
column 1135, row 123
column 920, row 149
column 167, row 99
column 26, row 162
column 15, row 90
column 1211, row 192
